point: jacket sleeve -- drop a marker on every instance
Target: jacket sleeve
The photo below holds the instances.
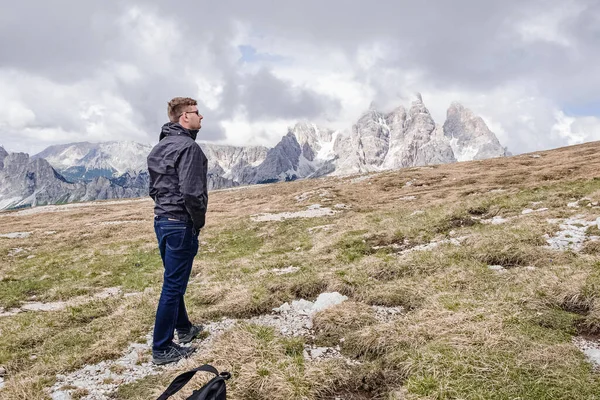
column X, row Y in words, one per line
column 151, row 189
column 192, row 169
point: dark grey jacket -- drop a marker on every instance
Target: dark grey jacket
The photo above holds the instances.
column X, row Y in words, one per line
column 178, row 173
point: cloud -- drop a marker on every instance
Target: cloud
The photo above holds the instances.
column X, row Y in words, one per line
column 105, row 70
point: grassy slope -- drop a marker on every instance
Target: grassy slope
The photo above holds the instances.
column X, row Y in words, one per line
column 469, row 332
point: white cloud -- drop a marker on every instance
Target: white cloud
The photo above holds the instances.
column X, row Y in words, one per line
column 576, row 130
column 513, row 63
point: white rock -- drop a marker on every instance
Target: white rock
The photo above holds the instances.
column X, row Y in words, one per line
column 529, row 210
column 497, row 220
column 61, row 395
column 572, row 234
column 284, row 271
column 16, row 235
column 313, row 211
column 38, row 306
column 590, row 348
column 326, row 300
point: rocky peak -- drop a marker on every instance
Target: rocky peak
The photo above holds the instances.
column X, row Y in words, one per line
column 282, row 161
column 3, row 155
column 469, row 135
column 417, row 107
column 371, row 136
column 419, row 122
column 395, row 121
column 415, row 139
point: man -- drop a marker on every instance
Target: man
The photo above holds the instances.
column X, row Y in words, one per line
column 178, row 173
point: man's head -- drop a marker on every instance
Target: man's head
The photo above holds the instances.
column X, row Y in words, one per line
column 184, row 111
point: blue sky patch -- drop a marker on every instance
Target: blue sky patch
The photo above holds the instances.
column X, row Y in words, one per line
column 250, row 55
column 590, row 108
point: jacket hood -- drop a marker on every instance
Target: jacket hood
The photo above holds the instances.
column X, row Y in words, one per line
column 173, row 128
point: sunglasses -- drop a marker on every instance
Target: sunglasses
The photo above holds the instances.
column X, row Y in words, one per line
column 191, row 112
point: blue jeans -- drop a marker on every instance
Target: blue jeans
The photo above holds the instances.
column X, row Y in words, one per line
column 178, row 245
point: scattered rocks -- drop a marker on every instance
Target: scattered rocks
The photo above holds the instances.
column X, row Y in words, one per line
column 322, row 193
column 101, row 380
column 15, row 251
column 531, row 211
column 313, row 211
column 320, row 228
column 105, row 223
column 360, row 179
column 535, row 156
column 572, row 234
column 418, row 212
column 36, row 306
column 583, row 202
column 314, row 353
column 590, row 348
column 9, row 312
column 341, row 206
column 387, row 314
column 430, row 246
column 49, row 232
column 497, row 268
column 497, row 220
column 408, row 198
column 284, row 271
column 16, row 235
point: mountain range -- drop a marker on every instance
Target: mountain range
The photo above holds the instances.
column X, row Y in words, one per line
column 376, row 142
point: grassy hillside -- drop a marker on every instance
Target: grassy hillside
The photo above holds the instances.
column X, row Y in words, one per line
column 488, row 310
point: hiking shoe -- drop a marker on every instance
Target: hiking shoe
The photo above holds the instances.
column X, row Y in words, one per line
column 173, row 354
column 186, row 337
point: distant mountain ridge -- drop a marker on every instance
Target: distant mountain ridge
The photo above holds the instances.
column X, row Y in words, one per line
column 376, row 142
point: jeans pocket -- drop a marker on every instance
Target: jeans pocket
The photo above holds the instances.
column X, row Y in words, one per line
column 177, row 237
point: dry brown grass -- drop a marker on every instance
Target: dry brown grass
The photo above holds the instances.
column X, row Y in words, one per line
column 333, row 324
column 469, row 332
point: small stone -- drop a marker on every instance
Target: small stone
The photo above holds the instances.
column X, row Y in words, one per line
column 2, row 371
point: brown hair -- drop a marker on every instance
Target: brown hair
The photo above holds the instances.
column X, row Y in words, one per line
column 177, row 106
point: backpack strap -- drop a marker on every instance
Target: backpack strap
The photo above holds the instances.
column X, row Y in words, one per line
column 181, row 380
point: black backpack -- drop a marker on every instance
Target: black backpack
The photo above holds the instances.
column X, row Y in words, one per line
column 213, row 390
